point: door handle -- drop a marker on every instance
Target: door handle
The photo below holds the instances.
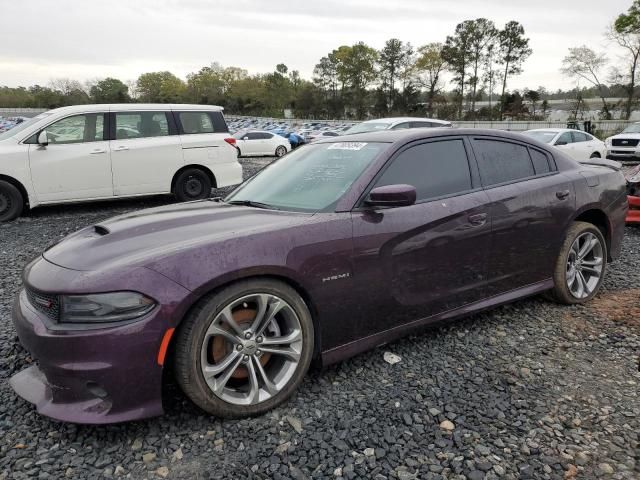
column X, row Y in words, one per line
column 120, row 149
column 478, row 219
column 97, row 151
column 563, row 194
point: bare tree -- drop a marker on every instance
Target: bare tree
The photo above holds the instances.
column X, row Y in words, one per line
column 586, row 64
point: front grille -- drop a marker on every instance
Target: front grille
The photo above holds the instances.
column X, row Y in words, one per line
column 47, row 304
column 624, row 142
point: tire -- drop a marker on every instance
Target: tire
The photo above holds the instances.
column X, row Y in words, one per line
column 192, row 184
column 570, row 266
column 196, row 350
column 595, row 155
column 280, row 151
column 11, row 202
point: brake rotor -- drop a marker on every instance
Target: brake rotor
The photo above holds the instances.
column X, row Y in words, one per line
column 221, row 347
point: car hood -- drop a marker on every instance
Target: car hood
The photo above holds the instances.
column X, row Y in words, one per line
column 627, row 135
column 134, row 239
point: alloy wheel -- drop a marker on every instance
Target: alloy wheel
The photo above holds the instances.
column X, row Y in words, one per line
column 585, row 265
column 251, row 349
column 280, row 151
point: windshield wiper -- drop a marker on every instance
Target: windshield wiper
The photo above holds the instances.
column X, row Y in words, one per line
column 251, row 203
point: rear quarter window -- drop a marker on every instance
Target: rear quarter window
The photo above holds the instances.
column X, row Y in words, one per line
column 502, row 162
column 194, row 122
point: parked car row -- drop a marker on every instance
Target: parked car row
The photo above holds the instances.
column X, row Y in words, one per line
column 9, row 122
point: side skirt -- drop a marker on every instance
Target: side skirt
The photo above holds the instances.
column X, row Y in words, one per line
column 367, row 343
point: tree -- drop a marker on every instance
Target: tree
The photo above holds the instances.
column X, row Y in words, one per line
column 456, row 53
column 533, row 97
column 357, row 70
column 160, row 87
column 513, row 50
column 109, row 90
column 393, row 59
column 207, row 86
column 482, row 34
column 584, row 63
column 625, row 31
column 429, row 67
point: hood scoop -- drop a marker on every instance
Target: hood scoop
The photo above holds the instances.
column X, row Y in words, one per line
column 100, row 230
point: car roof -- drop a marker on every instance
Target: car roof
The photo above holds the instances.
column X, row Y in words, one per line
column 411, row 134
column 395, row 120
column 556, row 130
column 133, row 107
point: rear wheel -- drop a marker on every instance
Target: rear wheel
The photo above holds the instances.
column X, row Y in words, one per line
column 11, row 202
column 581, row 265
column 244, row 350
column 192, row 184
column 280, row 151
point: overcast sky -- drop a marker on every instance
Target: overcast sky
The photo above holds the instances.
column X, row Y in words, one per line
column 45, row 39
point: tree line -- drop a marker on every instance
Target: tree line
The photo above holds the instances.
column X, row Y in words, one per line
column 441, row 79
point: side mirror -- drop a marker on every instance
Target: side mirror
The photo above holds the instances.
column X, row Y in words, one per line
column 245, row 138
column 392, row 196
column 43, row 139
column 559, row 144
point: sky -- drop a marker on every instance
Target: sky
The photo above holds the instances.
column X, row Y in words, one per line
column 90, row 39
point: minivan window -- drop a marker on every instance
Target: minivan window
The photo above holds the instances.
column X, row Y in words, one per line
column 501, row 162
column 435, row 169
column 196, row 122
column 141, row 125
column 84, row 128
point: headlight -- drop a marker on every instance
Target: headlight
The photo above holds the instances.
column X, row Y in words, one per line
column 104, row 307
column 607, row 142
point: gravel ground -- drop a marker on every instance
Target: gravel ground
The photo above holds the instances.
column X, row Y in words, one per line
column 530, row 390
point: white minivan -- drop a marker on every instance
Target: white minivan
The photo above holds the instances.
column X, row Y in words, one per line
column 93, row 152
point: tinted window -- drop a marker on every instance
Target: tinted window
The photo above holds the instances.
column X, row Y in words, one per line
column 580, row 137
column 252, row 136
column 501, row 162
column 422, row 124
column 435, row 169
column 77, row 129
column 401, row 126
column 330, row 134
column 564, row 139
column 196, row 122
column 540, row 161
column 141, row 125
column 265, row 136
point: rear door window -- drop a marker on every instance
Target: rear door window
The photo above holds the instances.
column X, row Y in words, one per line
column 421, row 125
column 502, row 162
column 141, row 125
column 195, row 123
column 435, row 169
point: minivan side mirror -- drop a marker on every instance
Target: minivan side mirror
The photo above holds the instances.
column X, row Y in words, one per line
column 43, row 138
column 400, row 195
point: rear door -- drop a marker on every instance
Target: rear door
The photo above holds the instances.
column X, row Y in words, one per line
column 416, row 261
column 249, row 144
column 531, row 205
column 202, row 134
column 145, row 152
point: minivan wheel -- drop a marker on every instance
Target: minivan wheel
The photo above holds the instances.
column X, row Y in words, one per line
column 192, row 184
column 581, row 265
column 280, row 151
column 11, row 202
column 245, row 349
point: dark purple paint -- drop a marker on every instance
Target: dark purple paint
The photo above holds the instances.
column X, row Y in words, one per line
column 398, row 269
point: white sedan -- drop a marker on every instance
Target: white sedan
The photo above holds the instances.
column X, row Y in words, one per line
column 260, row 143
column 580, row 146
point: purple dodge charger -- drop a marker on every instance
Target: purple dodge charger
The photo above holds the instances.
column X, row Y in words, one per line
column 334, row 249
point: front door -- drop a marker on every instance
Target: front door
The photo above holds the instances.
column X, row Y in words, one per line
column 414, row 262
column 146, row 152
column 76, row 163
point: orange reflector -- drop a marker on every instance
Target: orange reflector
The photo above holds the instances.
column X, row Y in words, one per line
column 164, row 346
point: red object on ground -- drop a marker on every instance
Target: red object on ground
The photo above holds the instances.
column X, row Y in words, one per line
column 634, row 210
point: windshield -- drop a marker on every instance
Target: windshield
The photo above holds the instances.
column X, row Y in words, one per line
column 544, row 136
column 633, row 128
column 21, row 126
column 310, row 179
column 368, row 127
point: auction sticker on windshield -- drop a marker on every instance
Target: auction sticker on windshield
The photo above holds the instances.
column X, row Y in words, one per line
column 347, row 146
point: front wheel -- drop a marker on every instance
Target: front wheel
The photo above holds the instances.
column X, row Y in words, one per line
column 192, row 184
column 245, row 349
column 280, row 151
column 11, row 202
column 581, row 264
column 595, row 155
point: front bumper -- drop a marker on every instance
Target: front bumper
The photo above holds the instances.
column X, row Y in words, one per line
column 623, row 154
column 93, row 376
column 633, row 216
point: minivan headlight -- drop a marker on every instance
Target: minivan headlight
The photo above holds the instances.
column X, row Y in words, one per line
column 104, row 307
